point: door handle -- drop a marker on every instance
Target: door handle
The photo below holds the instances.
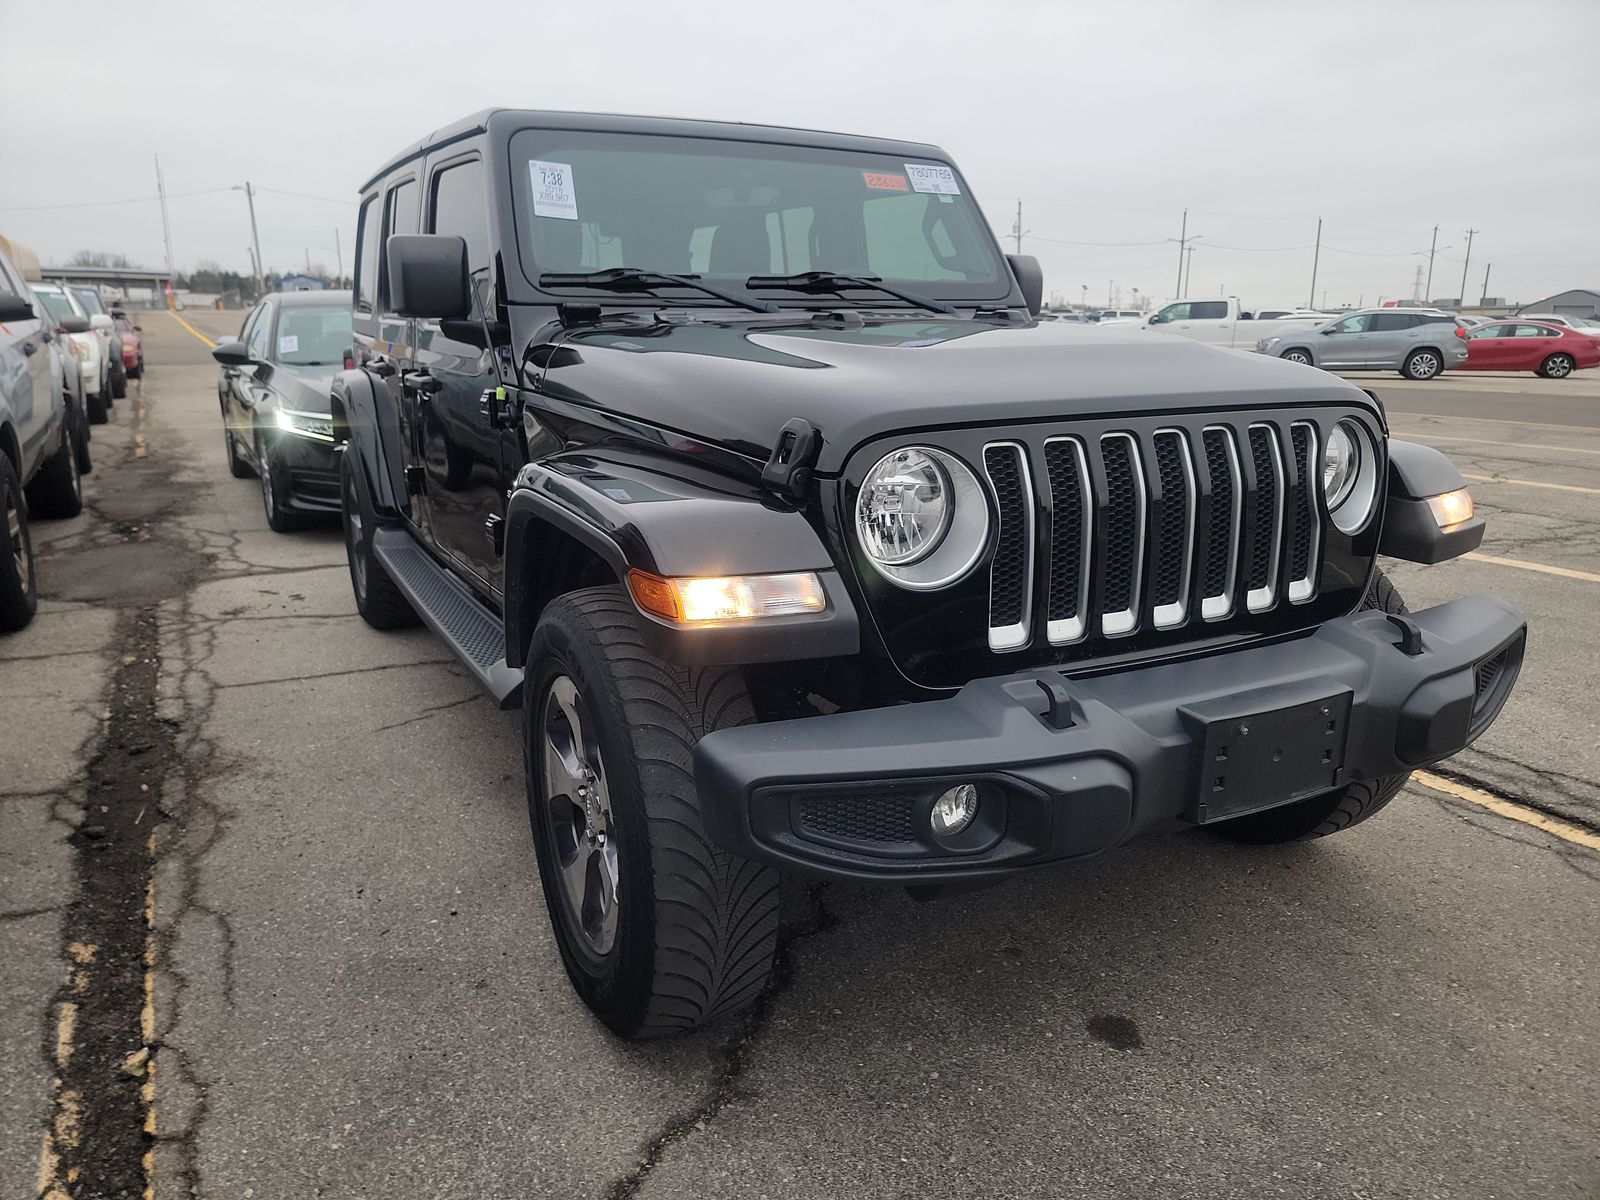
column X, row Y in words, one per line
column 380, row 367
column 29, row 347
column 419, row 383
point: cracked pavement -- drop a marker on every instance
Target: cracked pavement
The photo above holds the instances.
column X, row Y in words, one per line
column 355, row 993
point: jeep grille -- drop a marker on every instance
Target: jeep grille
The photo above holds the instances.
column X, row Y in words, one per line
column 1156, row 529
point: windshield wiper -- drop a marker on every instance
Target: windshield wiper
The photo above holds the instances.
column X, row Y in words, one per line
column 830, row 281
column 636, row 279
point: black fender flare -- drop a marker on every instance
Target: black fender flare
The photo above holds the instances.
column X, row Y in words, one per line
column 634, row 518
column 366, row 424
column 1410, row 532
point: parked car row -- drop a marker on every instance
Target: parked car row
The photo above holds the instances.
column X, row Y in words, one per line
column 44, row 433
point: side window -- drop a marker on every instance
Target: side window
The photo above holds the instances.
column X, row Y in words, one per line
column 1389, row 322
column 1535, row 331
column 399, row 217
column 1208, row 310
column 1174, row 312
column 367, row 242
column 1359, row 323
column 257, row 341
column 1489, row 331
column 458, row 207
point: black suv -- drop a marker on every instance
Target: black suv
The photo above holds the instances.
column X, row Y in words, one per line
column 736, row 458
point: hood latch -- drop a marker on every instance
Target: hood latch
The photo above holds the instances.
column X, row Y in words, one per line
column 788, row 469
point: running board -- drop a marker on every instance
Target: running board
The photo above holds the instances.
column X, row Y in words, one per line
column 474, row 634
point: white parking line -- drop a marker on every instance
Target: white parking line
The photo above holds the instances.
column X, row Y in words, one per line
column 1533, row 483
column 1541, row 568
column 1405, row 435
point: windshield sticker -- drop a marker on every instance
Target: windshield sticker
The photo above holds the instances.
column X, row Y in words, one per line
column 289, row 343
column 553, row 194
column 883, row 181
column 933, row 177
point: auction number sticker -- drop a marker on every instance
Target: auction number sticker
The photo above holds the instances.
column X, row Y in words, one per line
column 289, row 343
column 933, row 177
column 553, row 194
column 884, row 181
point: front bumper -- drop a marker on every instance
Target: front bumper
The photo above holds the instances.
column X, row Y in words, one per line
column 309, row 471
column 847, row 796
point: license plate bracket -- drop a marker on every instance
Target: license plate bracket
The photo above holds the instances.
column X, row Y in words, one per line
column 1266, row 747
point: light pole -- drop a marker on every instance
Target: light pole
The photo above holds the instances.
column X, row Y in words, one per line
column 1462, row 303
column 250, row 198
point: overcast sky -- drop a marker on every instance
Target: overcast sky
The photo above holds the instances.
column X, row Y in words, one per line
column 1106, row 119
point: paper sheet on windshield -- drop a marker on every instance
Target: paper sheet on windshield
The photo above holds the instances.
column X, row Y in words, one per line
column 553, row 194
column 289, row 343
column 933, row 177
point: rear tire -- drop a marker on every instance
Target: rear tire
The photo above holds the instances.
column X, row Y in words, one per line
column 1422, row 365
column 1557, row 366
column 118, row 382
column 691, row 930
column 1332, row 811
column 380, row 603
column 1296, row 354
column 19, row 597
column 56, row 490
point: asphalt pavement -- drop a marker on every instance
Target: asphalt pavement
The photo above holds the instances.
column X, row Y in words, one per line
column 272, row 925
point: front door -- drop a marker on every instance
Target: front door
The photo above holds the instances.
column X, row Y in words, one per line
column 465, row 444
column 1491, row 347
column 1345, row 343
column 393, row 355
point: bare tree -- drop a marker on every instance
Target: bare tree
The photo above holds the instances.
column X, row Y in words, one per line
column 98, row 258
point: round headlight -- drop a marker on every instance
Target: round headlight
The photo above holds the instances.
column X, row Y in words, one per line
column 921, row 518
column 903, row 511
column 1340, row 461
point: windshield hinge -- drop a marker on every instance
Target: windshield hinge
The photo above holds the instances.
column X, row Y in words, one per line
column 788, row 469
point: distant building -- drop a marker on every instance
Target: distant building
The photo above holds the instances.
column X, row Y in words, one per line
column 1579, row 302
column 302, row 283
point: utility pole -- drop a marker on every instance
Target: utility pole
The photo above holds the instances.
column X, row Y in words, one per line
column 255, row 238
column 1462, row 302
column 166, row 227
column 254, row 269
column 1111, row 290
column 1016, row 230
column 1316, row 259
column 1427, row 291
column 338, row 251
column 1416, row 286
column 1484, row 299
column 1188, row 274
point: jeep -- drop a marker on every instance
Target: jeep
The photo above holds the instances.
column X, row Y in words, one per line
column 736, row 458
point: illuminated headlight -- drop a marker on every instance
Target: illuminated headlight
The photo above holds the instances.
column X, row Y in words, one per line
column 700, row 600
column 1350, row 475
column 316, row 426
column 920, row 518
column 1452, row 508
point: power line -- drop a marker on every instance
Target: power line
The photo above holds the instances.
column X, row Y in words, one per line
column 105, row 203
column 349, row 200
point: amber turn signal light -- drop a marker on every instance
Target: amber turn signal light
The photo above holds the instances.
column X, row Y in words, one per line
column 700, row 600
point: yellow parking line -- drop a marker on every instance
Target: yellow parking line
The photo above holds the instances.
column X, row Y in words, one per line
column 1565, row 830
column 1542, row 568
column 1558, row 487
column 1439, row 437
column 209, row 343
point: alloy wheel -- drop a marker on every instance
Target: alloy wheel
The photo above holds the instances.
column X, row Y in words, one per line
column 1424, row 365
column 577, row 803
column 1559, row 367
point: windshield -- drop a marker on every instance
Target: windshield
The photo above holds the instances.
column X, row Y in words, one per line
column 90, row 299
column 312, row 336
column 727, row 210
column 59, row 306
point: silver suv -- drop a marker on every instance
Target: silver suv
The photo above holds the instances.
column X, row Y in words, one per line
column 1420, row 343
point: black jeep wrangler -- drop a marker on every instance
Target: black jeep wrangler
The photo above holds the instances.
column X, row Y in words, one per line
column 736, row 458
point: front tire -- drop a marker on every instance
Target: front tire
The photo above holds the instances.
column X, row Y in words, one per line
column 19, row 597
column 98, row 408
column 379, row 601
column 1331, row 812
column 660, row 930
column 1422, row 365
column 1557, row 366
column 1296, row 355
column 279, row 518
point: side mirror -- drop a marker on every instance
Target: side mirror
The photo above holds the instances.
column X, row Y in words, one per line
column 101, row 321
column 1030, row 278
column 1156, row 319
column 232, row 354
column 428, row 276
column 15, row 308
column 1327, row 331
column 73, row 324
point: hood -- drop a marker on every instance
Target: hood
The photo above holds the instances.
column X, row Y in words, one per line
column 735, row 383
column 305, row 389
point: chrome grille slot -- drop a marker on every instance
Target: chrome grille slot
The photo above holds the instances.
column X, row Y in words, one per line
column 1226, row 525
column 1011, row 572
column 1067, row 603
column 1306, row 522
column 1121, row 534
column 1266, row 501
column 1173, row 529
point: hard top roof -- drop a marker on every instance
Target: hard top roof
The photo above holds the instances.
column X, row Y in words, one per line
column 311, row 299
column 499, row 119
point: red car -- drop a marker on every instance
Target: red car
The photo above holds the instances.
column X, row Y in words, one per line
column 132, row 344
column 1551, row 350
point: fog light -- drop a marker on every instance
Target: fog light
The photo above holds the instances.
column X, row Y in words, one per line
column 953, row 811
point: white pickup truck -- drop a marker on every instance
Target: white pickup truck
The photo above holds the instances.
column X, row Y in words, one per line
column 1224, row 323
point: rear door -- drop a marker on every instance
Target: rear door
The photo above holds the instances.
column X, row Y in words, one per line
column 468, row 454
column 1390, row 337
column 1344, row 343
column 1534, row 343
